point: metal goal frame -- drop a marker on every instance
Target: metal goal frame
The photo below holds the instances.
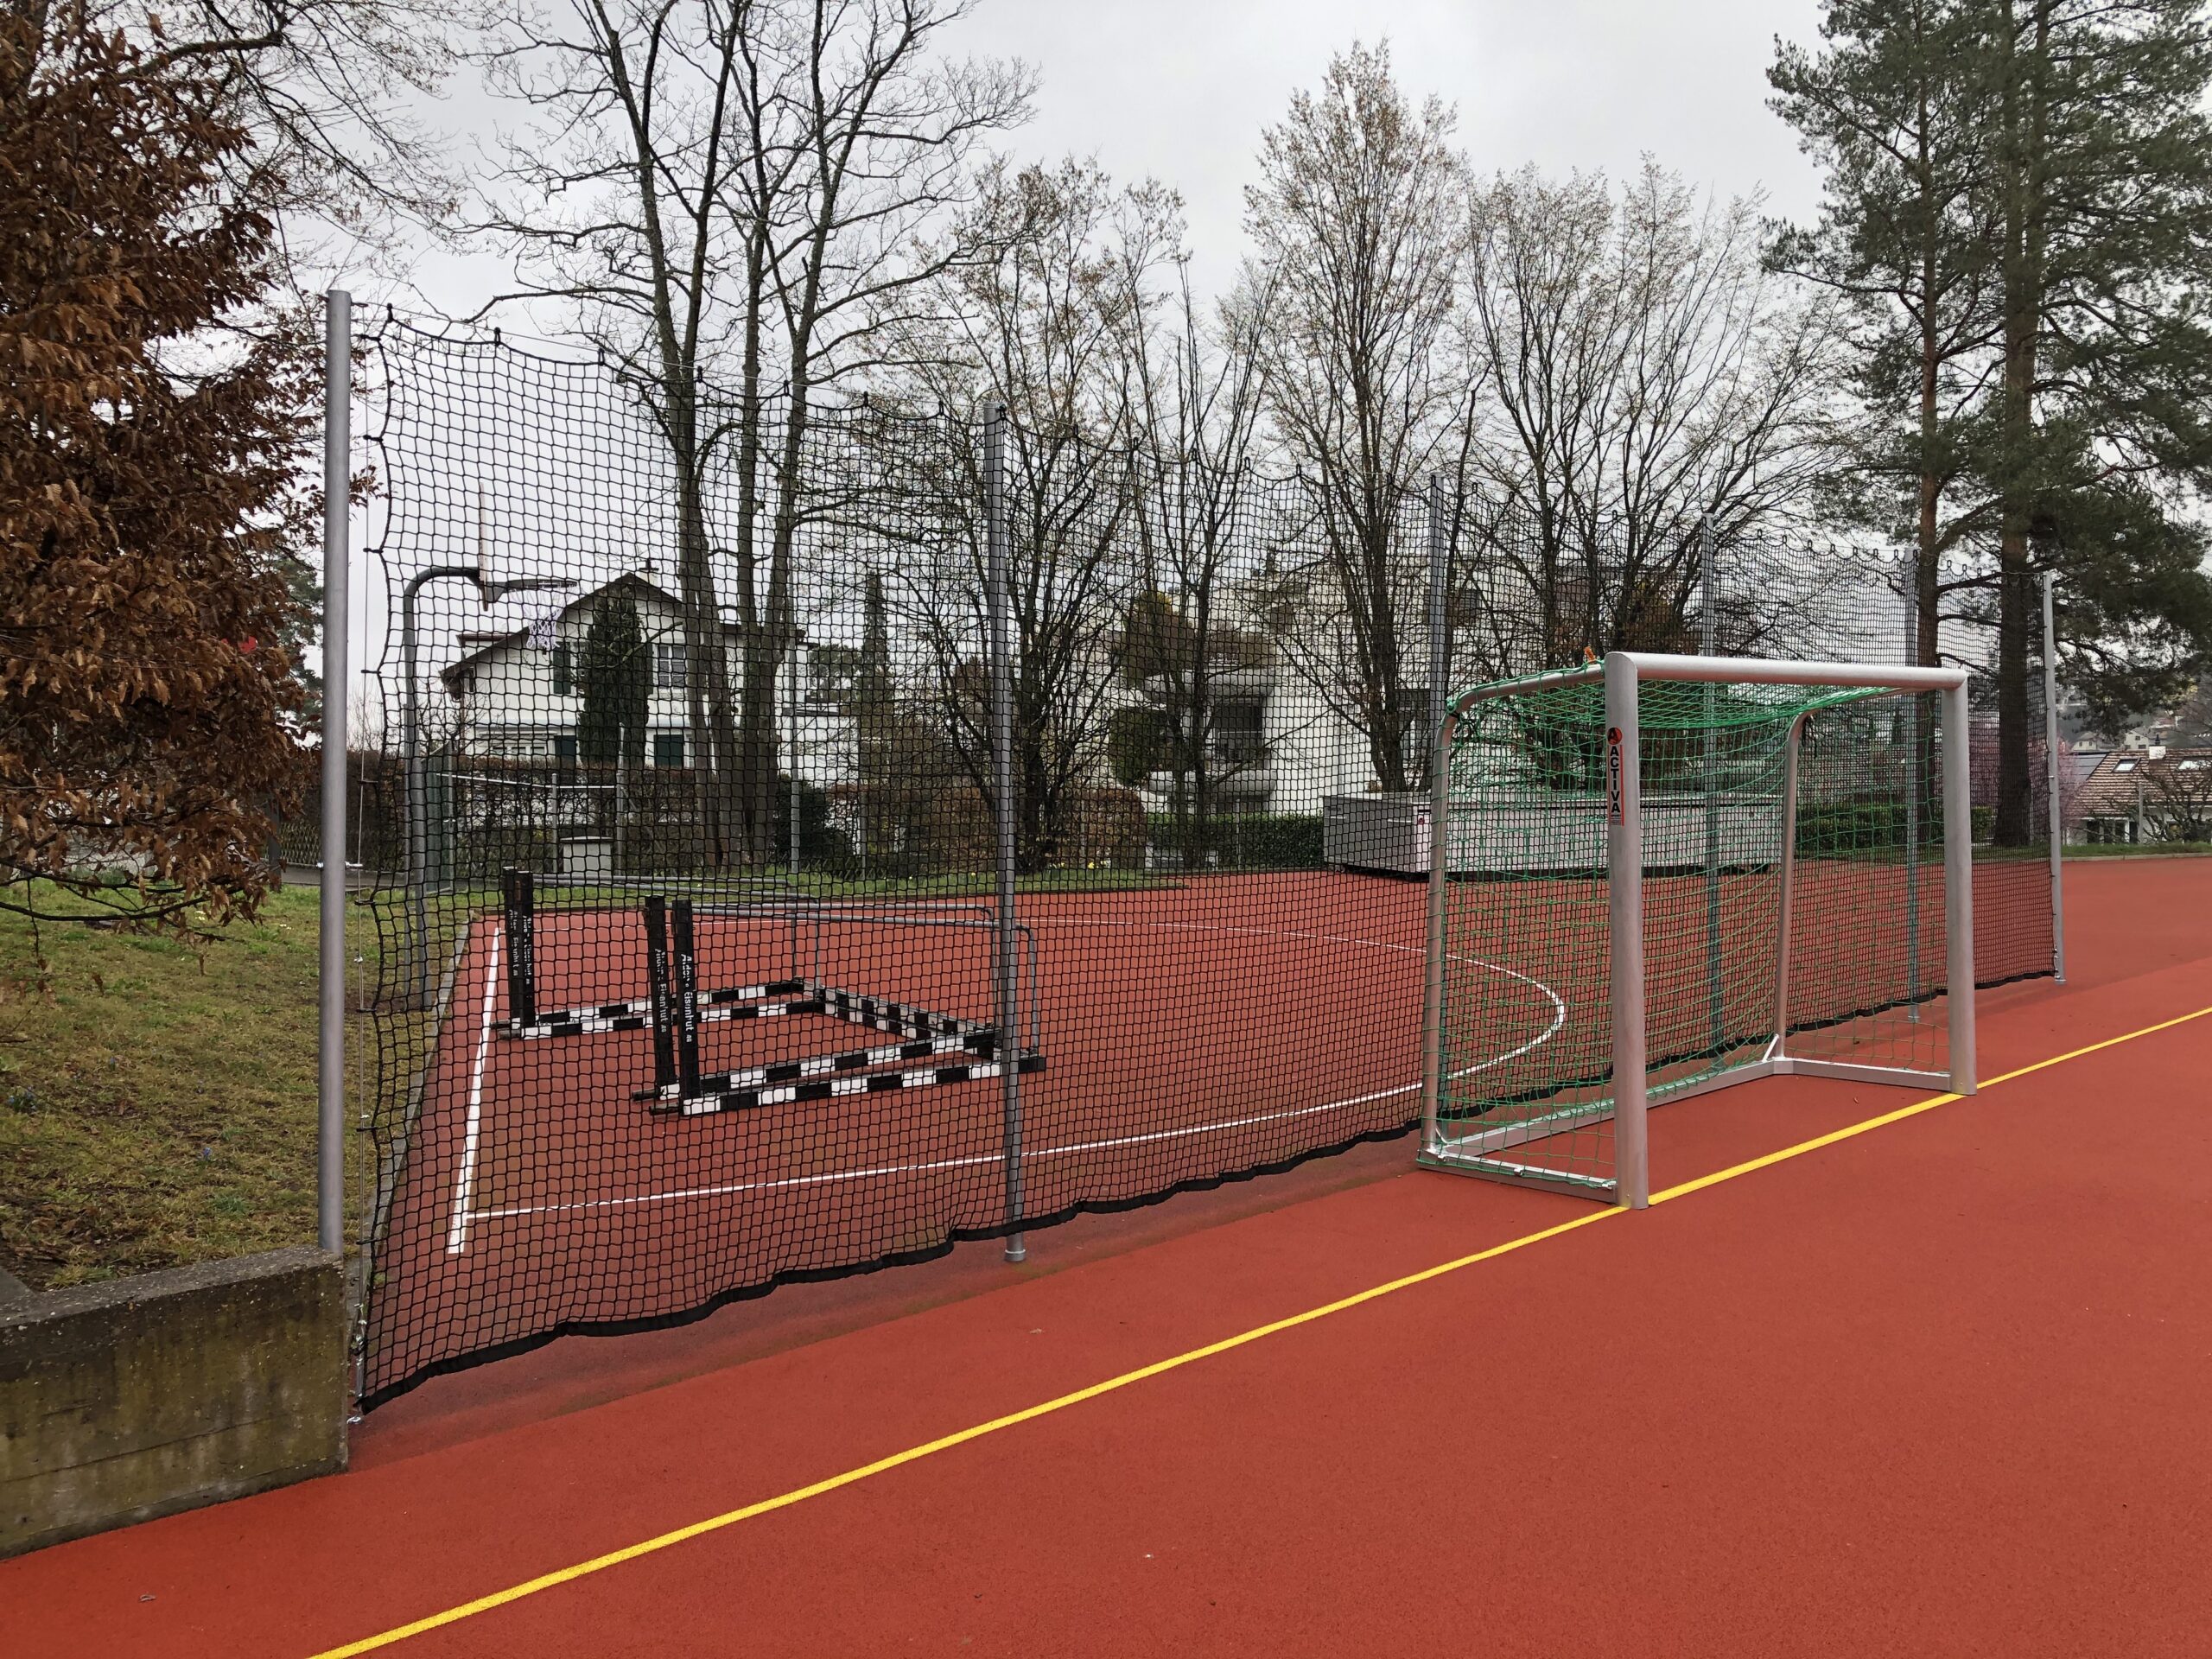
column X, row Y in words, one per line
column 1622, row 673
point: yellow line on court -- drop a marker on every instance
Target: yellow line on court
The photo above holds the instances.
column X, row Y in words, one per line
column 1028, row 1414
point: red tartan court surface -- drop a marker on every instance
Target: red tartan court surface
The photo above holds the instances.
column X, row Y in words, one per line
column 1937, row 1387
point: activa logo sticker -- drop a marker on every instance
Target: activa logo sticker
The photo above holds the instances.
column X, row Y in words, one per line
column 1615, row 811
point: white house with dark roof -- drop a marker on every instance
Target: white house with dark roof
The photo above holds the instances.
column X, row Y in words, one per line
column 515, row 694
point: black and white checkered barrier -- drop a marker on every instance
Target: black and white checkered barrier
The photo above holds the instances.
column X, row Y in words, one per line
column 728, row 1003
column 897, row 1017
column 983, row 1042
column 739, row 1100
column 674, row 1009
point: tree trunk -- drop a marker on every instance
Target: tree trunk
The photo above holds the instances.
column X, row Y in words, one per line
column 1386, row 727
column 713, row 727
column 769, row 640
column 2021, row 160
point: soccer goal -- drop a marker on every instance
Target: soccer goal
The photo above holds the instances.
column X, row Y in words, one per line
column 1660, row 876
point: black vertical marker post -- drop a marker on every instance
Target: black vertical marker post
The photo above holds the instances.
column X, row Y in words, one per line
column 659, row 1003
column 518, row 892
column 686, row 1000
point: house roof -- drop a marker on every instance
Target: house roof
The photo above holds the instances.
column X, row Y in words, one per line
column 2110, row 790
column 479, row 646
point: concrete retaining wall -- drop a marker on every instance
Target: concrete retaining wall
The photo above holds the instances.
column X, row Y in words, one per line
column 125, row 1401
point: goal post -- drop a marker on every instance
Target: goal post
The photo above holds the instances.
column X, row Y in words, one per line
column 1663, row 874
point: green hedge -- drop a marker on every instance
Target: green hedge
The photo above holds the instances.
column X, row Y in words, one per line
column 1853, row 825
column 1826, row 826
column 1245, row 840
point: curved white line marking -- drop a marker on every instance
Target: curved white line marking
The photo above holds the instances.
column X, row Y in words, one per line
column 1039, row 1153
column 465, row 1183
column 1559, row 1006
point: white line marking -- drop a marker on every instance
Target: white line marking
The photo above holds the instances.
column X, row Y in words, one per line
column 937, row 1166
column 464, row 1184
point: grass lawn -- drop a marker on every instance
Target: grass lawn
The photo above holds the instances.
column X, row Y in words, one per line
column 2139, row 850
column 157, row 1096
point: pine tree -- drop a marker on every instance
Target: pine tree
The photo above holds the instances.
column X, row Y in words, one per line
column 617, row 684
column 2016, row 195
column 2100, row 446
column 1889, row 109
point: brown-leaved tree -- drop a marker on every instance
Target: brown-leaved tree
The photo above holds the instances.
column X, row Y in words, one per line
column 153, row 415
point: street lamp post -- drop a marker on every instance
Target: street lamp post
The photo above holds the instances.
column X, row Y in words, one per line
column 410, row 745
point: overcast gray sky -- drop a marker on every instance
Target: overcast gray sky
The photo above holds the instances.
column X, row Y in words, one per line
column 1179, row 89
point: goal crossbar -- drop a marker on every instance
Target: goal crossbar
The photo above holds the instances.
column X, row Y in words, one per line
column 1623, row 674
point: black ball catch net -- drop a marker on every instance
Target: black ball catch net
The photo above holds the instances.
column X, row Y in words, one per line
column 795, row 839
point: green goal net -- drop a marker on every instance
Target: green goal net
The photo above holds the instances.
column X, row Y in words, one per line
column 1778, row 850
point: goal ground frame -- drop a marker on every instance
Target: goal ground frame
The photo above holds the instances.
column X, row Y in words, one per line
column 1622, row 673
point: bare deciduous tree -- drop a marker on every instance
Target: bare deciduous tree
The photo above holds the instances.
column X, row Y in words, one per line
column 614, row 203
column 323, row 90
column 1358, row 227
column 1044, row 325
column 859, row 147
column 1194, row 395
column 732, row 194
column 1638, row 372
column 2177, row 798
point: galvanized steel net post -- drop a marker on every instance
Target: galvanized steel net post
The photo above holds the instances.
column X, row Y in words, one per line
column 1440, row 638
column 2056, row 811
column 337, row 490
column 1786, row 864
column 1440, row 723
column 1624, row 879
column 1958, row 889
column 1914, row 782
column 1432, row 1004
column 1708, row 633
column 997, row 602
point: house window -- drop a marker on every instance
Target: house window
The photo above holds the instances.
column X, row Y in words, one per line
column 564, row 751
column 563, row 671
column 668, row 748
column 2125, row 766
column 670, row 667
column 1236, row 731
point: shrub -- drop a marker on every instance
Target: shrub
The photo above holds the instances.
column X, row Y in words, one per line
column 1241, row 840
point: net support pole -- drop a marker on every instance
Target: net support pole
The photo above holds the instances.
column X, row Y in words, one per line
column 1624, row 882
column 1786, row 862
column 998, row 604
column 1715, row 998
column 1432, row 1000
column 2056, row 810
column 1440, row 782
column 330, row 1018
column 414, row 788
column 1958, row 889
column 1913, row 784
column 1440, row 638
column 416, row 782
column 797, row 646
